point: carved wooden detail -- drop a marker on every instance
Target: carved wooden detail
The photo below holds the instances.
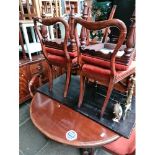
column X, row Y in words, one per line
column 130, row 42
column 71, row 29
column 83, row 35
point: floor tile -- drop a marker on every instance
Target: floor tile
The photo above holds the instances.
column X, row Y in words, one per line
column 100, row 151
column 54, row 148
column 24, row 111
column 21, row 152
column 30, row 139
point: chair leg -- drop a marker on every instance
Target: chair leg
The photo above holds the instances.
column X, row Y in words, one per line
column 109, row 91
column 50, row 77
column 68, row 77
column 82, row 88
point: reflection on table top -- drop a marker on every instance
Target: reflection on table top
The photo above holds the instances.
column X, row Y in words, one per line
column 55, row 120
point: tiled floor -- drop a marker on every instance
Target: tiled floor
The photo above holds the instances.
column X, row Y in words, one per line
column 32, row 142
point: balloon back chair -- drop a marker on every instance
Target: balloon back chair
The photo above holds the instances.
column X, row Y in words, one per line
column 104, row 62
column 57, row 52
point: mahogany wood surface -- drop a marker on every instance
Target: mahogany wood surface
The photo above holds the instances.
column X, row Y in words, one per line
column 54, row 120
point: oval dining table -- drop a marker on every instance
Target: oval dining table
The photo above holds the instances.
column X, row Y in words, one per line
column 55, row 120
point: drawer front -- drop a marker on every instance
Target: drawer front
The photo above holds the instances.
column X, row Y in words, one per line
column 35, row 68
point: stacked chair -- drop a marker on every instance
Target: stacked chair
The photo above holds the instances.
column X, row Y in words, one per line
column 59, row 52
column 56, row 52
column 105, row 62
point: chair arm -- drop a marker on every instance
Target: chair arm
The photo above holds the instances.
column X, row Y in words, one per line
column 31, row 83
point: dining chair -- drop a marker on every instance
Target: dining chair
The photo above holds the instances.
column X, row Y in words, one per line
column 58, row 52
column 105, row 62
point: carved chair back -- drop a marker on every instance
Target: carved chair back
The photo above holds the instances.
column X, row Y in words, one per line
column 43, row 35
column 103, row 62
column 92, row 50
column 57, row 52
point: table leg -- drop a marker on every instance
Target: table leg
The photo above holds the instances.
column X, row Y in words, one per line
column 88, row 151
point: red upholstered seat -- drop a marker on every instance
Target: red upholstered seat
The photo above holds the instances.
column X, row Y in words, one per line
column 102, row 63
column 122, row 146
column 59, row 60
column 56, row 60
column 59, row 52
column 100, row 73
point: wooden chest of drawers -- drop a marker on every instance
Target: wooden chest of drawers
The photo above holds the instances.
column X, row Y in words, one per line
column 26, row 72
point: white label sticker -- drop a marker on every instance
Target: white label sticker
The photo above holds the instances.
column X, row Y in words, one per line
column 102, row 134
column 71, row 135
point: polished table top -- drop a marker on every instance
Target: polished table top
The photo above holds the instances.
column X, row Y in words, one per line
column 54, row 120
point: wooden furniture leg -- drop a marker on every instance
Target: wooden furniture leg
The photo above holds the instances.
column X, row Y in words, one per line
column 82, row 88
column 50, row 75
column 88, row 151
column 109, row 91
column 68, row 77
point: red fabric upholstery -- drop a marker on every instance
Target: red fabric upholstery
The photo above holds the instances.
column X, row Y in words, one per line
column 122, row 146
column 100, row 73
column 102, row 63
column 123, row 74
column 59, row 60
column 59, row 52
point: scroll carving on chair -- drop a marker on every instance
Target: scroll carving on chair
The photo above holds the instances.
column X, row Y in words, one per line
column 104, row 62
